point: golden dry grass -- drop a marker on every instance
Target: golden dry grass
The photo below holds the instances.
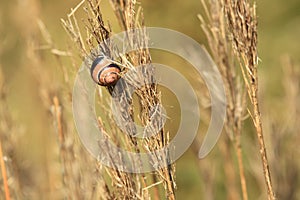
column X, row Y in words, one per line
column 42, row 156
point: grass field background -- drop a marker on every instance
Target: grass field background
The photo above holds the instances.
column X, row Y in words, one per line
column 28, row 133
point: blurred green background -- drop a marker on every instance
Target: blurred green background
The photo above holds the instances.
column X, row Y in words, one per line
column 278, row 29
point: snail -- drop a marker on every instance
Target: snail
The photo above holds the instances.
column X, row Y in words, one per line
column 104, row 72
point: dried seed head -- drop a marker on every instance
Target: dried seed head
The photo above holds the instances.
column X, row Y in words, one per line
column 104, row 72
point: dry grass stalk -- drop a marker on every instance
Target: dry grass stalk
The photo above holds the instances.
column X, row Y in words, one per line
column 124, row 184
column 4, row 175
column 8, row 140
column 242, row 23
column 148, row 96
column 129, row 185
column 2, row 163
column 8, row 164
column 216, row 32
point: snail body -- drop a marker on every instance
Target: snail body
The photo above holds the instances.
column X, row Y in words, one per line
column 104, row 72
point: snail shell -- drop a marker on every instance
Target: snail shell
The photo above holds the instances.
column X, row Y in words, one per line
column 104, row 72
